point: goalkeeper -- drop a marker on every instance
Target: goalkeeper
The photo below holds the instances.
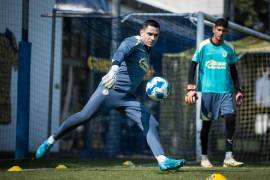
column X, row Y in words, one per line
column 217, row 81
column 117, row 91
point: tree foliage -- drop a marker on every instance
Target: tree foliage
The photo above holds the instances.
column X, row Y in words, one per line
column 252, row 13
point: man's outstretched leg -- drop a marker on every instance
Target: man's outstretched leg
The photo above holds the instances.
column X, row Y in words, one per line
column 135, row 111
column 90, row 110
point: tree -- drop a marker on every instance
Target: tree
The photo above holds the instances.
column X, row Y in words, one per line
column 252, row 13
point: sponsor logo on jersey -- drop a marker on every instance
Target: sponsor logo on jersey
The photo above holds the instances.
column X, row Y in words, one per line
column 212, row 64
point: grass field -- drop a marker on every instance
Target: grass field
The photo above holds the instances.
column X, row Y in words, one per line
column 114, row 169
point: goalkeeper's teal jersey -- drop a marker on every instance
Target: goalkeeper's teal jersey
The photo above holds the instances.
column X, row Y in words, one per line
column 214, row 70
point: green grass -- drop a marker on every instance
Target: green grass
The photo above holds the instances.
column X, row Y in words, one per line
column 113, row 169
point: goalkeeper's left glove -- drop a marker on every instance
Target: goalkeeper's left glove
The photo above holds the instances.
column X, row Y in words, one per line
column 191, row 95
column 239, row 98
column 109, row 79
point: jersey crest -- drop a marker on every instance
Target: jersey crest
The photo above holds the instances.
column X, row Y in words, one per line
column 143, row 63
column 224, row 54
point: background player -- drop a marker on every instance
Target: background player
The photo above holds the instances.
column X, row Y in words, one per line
column 217, row 80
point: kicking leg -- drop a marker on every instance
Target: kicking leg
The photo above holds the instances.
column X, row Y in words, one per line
column 90, row 110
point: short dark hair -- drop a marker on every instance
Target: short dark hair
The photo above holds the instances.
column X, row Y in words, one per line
column 150, row 22
column 221, row 22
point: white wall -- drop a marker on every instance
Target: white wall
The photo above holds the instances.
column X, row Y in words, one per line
column 10, row 17
column 40, row 37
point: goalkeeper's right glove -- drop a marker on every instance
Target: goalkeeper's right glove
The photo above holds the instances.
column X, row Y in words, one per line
column 191, row 95
column 109, row 79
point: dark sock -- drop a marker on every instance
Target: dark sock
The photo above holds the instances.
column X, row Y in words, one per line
column 204, row 136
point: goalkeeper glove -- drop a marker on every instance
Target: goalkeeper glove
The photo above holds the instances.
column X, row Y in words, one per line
column 109, row 79
column 191, row 95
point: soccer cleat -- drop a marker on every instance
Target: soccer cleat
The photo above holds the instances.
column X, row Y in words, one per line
column 43, row 149
column 231, row 162
column 171, row 164
column 205, row 163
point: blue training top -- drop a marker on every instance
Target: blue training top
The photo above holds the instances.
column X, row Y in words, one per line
column 133, row 57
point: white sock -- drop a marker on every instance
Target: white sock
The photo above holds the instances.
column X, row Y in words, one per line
column 51, row 139
column 161, row 158
column 204, row 157
column 228, row 155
